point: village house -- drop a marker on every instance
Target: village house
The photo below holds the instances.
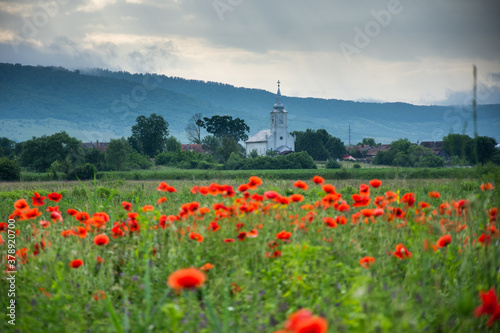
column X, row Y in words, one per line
column 101, row 146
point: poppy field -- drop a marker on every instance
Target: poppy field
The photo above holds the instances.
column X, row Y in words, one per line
column 252, row 255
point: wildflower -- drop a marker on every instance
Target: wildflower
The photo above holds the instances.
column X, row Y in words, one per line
column 197, row 237
column 186, row 278
column 254, row 182
column 484, row 239
column 165, row 187
column 82, row 232
column 402, row 252
column 54, row 196
column 366, row 262
column 76, row 263
column 101, row 239
column 235, row 288
column 228, row 240
column 318, row 180
column 161, row 200
column 409, row 199
column 32, row 213
column 375, row 183
column 206, row 267
column 99, row 295
column 271, row 195
column 487, row 187
column 38, row 199
column 253, row 233
column 364, row 190
column 330, row 222
column 21, row 205
column 283, row 235
column 304, row 321
column 434, row 194
column 297, row 198
column 71, row 212
column 242, row 235
column 99, row 260
column 328, row 188
column 444, row 241
column 127, row 206
column 489, row 306
column 300, row 184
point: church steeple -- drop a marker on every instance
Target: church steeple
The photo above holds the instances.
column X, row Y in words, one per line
column 279, row 105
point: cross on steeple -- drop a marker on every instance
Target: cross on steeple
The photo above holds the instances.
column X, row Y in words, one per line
column 278, row 84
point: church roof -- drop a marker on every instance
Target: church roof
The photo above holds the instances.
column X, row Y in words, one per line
column 260, row 136
column 278, row 106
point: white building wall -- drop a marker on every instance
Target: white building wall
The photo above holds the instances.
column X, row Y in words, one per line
column 261, row 147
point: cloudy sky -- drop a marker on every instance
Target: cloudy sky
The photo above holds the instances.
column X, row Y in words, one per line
column 419, row 52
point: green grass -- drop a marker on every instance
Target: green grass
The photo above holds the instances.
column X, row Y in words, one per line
column 319, row 268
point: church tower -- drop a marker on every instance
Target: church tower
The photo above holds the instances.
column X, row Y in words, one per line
column 279, row 138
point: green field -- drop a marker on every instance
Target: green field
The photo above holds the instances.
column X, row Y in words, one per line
column 251, row 287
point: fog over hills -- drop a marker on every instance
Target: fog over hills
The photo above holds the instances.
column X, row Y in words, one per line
column 97, row 104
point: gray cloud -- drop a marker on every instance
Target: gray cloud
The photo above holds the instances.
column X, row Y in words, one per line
column 296, row 37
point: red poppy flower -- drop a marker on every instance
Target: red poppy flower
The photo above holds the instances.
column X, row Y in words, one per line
column 147, row 208
column 328, row 188
column 161, row 200
column 364, row 190
column 444, row 241
column 484, row 239
column 330, row 222
column 318, row 180
column 21, row 205
column 127, row 206
column 489, row 306
column 297, row 197
column 186, row 278
column 31, row 213
column 242, row 235
column 228, row 240
column 165, row 187
column 366, row 262
column 434, row 194
column 408, row 198
column 283, row 235
column 38, row 200
column 402, row 252
column 75, row 263
column 71, row 212
column 300, row 184
column 101, row 239
column 197, row 237
column 99, row 295
column 253, row 233
column 487, row 187
column 206, row 267
column 99, row 260
column 254, row 181
column 54, row 196
column 243, row 187
column 271, row 195
column 375, row 183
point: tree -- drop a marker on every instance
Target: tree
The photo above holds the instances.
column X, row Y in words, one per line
column 149, row 134
column 193, row 129
column 117, row 153
column 228, row 146
column 485, row 148
column 39, row 153
column 7, row 147
column 460, row 145
column 95, row 157
column 225, row 126
column 210, row 143
column 319, row 144
column 172, row 144
column 9, row 170
column 368, row 142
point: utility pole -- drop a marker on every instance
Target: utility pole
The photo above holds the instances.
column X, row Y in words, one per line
column 474, row 111
column 349, row 136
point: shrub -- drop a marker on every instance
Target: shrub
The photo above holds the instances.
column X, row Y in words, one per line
column 84, row 171
column 356, row 166
column 9, row 170
column 332, row 164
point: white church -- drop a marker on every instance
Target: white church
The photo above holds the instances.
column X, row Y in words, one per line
column 277, row 138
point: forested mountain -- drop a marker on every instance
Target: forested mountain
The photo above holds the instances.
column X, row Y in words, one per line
column 95, row 104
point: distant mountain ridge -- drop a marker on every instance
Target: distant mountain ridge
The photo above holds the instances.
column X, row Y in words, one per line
column 97, row 104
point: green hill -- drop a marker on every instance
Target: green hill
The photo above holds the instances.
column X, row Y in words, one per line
column 96, row 104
